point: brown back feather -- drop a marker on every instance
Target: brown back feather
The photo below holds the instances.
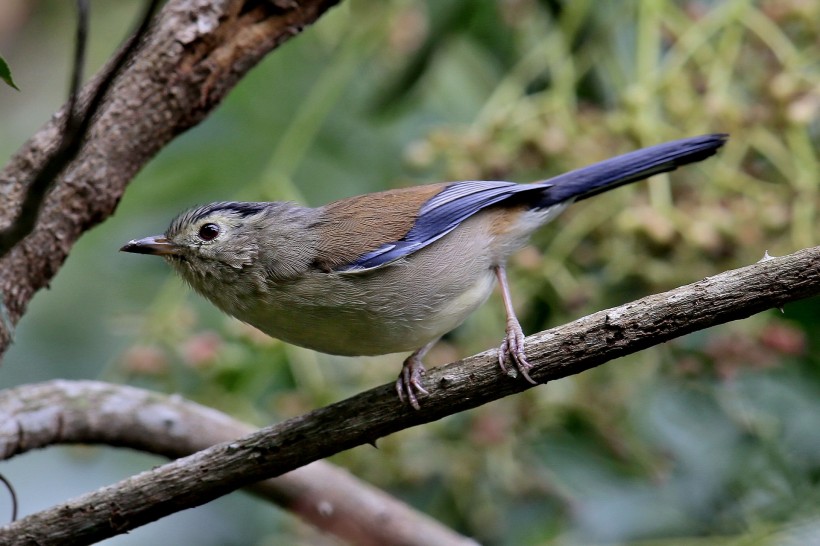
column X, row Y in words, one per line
column 354, row 226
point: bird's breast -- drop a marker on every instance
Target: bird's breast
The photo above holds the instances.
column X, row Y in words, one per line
column 378, row 313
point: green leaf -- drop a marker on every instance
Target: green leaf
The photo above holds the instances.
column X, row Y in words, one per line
column 5, row 73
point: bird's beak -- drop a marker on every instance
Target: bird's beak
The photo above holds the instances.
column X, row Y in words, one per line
column 157, row 245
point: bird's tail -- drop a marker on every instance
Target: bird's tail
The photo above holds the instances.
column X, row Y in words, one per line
column 624, row 169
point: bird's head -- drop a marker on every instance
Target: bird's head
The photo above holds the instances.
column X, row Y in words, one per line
column 219, row 246
column 210, row 242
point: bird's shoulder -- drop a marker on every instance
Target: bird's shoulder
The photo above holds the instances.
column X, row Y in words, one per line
column 352, row 227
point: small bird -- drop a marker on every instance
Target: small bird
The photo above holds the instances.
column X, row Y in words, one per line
column 390, row 271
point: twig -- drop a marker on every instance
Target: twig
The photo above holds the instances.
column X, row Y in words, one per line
column 12, row 494
column 72, row 117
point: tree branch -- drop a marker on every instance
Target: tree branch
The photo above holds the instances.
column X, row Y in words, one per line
column 555, row 353
column 76, row 125
column 193, row 55
column 92, row 412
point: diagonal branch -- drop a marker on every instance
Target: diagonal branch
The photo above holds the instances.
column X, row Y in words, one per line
column 555, row 353
column 75, row 128
column 193, row 55
column 93, row 412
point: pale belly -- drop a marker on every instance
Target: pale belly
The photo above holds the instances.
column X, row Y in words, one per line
column 348, row 315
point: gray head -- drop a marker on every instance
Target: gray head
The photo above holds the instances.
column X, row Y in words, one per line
column 242, row 245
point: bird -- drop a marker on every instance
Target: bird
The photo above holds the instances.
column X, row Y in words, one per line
column 390, row 271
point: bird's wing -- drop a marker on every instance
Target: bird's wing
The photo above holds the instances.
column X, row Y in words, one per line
column 440, row 215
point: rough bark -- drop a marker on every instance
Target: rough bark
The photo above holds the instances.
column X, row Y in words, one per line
column 195, row 53
column 555, row 353
column 93, row 412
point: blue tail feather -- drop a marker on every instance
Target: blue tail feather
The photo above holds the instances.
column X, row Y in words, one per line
column 631, row 167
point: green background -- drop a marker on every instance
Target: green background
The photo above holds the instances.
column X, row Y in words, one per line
column 711, row 439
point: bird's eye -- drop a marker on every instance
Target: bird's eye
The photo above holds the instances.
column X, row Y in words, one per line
column 208, row 232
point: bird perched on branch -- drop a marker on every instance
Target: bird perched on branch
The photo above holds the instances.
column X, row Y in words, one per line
column 390, row 271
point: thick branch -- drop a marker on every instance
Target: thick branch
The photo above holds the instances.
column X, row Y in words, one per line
column 91, row 412
column 75, row 127
column 194, row 54
column 555, row 353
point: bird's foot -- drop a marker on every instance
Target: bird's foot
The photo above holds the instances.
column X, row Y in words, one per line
column 408, row 385
column 512, row 351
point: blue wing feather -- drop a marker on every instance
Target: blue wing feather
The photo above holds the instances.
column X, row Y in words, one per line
column 441, row 215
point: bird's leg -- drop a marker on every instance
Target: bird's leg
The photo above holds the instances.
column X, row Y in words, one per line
column 512, row 348
column 409, row 382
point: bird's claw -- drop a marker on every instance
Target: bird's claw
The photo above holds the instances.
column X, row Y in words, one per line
column 512, row 350
column 408, row 385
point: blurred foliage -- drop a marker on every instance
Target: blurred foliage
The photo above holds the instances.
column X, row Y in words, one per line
column 711, row 439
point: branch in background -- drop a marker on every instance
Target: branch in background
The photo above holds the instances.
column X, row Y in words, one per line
column 92, row 412
column 555, row 353
column 76, row 125
column 195, row 53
